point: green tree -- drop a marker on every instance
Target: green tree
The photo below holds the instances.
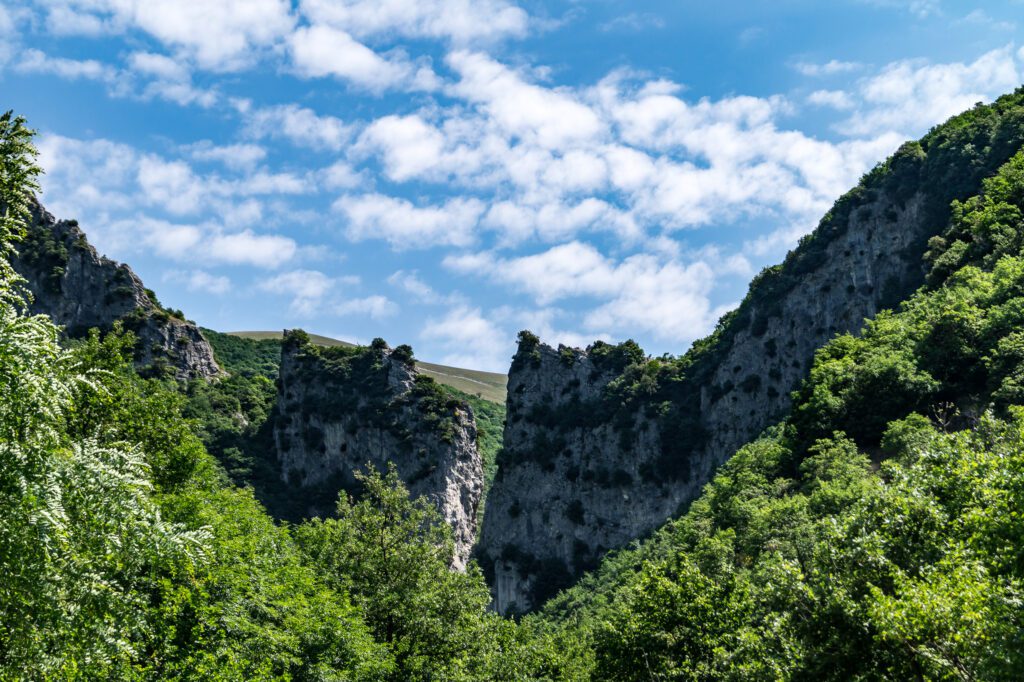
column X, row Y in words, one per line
column 394, row 556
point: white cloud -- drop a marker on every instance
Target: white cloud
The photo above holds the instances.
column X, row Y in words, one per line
column 168, row 239
column 471, row 340
column 64, row 20
column 159, row 66
column 911, row 95
column 312, row 294
column 84, row 176
column 341, row 175
column 247, row 248
column 233, row 156
column 642, row 292
column 621, row 156
column 6, row 22
column 829, row 68
column 171, row 185
column 980, row 17
column 406, row 225
column 36, row 61
column 836, row 99
column 920, row 8
column 306, row 287
column 222, row 35
column 375, row 307
column 167, row 79
column 200, row 281
column 457, row 20
column 549, row 118
column 301, row 126
column 410, row 146
column 319, row 51
column 634, row 21
column 412, row 284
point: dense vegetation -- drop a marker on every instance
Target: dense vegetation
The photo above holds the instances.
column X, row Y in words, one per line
column 802, row 559
column 126, row 554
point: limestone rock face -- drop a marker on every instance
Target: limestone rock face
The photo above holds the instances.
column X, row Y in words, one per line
column 79, row 289
column 588, row 466
column 341, row 409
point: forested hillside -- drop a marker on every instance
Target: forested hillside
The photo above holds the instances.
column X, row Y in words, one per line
column 876, row 531
column 591, row 428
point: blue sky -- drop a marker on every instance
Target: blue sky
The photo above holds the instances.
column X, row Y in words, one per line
column 445, row 173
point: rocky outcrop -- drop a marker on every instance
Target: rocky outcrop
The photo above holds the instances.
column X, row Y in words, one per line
column 572, row 486
column 340, row 409
column 603, row 445
column 79, row 289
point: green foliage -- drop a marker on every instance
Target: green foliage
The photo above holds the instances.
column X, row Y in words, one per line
column 124, row 555
column 247, row 357
column 803, row 559
column 393, row 555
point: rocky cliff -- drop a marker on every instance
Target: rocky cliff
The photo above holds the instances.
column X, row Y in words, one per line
column 341, row 408
column 80, row 289
column 603, row 445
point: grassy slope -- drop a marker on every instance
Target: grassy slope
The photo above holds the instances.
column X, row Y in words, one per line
column 487, row 385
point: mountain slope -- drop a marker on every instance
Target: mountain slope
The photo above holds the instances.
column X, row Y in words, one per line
column 604, row 445
column 803, row 559
column 486, row 385
column 79, row 289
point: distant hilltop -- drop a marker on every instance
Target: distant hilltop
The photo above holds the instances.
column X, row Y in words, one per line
column 487, row 385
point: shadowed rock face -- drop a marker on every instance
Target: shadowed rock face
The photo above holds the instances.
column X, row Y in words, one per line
column 569, row 490
column 79, row 289
column 602, row 447
column 341, row 409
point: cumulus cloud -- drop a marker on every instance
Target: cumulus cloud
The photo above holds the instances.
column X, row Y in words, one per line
column 146, row 76
column 460, row 21
column 836, row 99
column 314, row 293
column 411, row 283
column 642, row 292
column 248, row 248
column 221, row 36
column 341, row 175
column 319, row 51
column 634, row 21
column 550, row 117
column 829, row 68
column 300, row 125
column 470, row 339
column 200, row 281
column 306, row 287
column 159, row 66
column 234, row 156
column 375, row 307
column 624, row 156
column 38, row 62
column 405, row 225
column 911, row 94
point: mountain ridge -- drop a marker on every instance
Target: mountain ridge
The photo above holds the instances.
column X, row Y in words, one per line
column 579, row 443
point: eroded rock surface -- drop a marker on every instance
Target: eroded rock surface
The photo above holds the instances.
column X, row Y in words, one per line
column 80, row 289
column 340, row 409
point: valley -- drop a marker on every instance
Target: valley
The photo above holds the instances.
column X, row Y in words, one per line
column 828, row 486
